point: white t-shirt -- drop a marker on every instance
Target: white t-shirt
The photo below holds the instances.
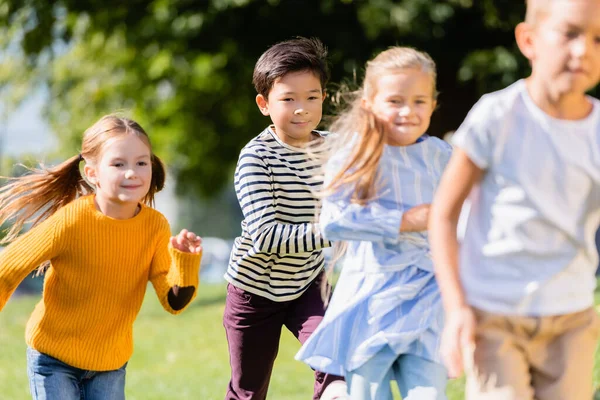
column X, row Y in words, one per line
column 529, row 243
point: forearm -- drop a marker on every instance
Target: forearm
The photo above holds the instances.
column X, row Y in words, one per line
column 415, row 219
column 445, row 249
column 24, row 255
column 176, row 286
column 372, row 222
column 456, row 184
column 276, row 238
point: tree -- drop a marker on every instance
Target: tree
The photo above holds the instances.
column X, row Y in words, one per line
column 183, row 67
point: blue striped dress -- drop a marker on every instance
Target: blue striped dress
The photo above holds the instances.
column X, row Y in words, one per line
column 386, row 294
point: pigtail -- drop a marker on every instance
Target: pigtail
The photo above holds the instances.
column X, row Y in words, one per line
column 159, row 176
column 39, row 194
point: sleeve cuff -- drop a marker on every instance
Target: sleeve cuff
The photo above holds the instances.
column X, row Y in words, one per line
column 185, row 268
column 392, row 225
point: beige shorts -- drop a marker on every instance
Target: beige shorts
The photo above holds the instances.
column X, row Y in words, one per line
column 526, row 358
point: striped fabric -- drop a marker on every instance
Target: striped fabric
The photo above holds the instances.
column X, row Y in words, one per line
column 279, row 251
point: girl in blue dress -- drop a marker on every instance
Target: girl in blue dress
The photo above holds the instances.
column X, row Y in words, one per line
column 385, row 316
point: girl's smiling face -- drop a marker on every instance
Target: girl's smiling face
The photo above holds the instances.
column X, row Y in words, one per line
column 403, row 102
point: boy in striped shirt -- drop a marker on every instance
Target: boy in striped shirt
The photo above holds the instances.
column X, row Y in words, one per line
column 276, row 264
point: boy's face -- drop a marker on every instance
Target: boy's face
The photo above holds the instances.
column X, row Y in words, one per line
column 295, row 105
column 564, row 46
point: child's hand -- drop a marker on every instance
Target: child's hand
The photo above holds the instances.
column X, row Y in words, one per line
column 415, row 219
column 458, row 341
column 187, row 242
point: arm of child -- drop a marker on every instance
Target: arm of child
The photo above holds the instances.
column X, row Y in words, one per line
column 343, row 219
column 41, row 243
column 456, row 183
column 255, row 195
column 415, row 219
column 175, row 268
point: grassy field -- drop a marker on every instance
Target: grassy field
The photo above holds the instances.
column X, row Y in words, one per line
column 183, row 357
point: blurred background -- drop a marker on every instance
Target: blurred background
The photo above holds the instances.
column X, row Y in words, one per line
column 183, row 69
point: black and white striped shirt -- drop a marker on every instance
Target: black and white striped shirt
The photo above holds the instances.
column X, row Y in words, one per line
column 279, row 251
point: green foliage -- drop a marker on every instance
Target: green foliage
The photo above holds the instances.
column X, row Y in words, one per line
column 183, row 68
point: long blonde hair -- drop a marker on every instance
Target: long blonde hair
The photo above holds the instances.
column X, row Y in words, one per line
column 358, row 125
column 42, row 191
column 360, row 171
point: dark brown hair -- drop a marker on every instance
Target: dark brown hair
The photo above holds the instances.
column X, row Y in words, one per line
column 299, row 54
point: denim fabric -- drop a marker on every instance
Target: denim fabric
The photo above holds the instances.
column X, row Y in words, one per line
column 417, row 378
column 51, row 379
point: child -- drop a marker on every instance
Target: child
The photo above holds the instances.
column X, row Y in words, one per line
column 103, row 244
column 523, row 298
column 276, row 264
column 385, row 315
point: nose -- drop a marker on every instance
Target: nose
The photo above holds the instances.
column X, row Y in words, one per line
column 300, row 110
column 130, row 173
column 405, row 110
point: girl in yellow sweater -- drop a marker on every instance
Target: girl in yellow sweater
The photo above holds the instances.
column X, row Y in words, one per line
column 101, row 243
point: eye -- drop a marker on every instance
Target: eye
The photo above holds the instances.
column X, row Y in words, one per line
column 571, row 34
column 287, row 99
column 142, row 163
column 118, row 164
column 313, row 98
column 597, row 39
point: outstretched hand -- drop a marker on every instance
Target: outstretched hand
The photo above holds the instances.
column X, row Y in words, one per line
column 187, row 242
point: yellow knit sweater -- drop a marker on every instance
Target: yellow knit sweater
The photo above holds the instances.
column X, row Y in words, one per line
column 95, row 286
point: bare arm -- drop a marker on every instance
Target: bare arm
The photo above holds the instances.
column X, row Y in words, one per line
column 456, row 183
column 415, row 219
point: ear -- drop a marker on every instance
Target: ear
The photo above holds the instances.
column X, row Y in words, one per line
column 90, row 174
column 324, row 95
column 263, row 104
column 524, row 37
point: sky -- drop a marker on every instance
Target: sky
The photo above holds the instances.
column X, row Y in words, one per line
column 25, row 131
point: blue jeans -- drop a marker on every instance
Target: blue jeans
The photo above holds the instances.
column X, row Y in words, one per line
column 51, row 379
column 417, row 378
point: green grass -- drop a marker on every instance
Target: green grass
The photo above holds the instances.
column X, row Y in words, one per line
column 183, row 357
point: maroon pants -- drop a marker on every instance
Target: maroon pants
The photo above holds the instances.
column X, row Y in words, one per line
column 253, row 327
